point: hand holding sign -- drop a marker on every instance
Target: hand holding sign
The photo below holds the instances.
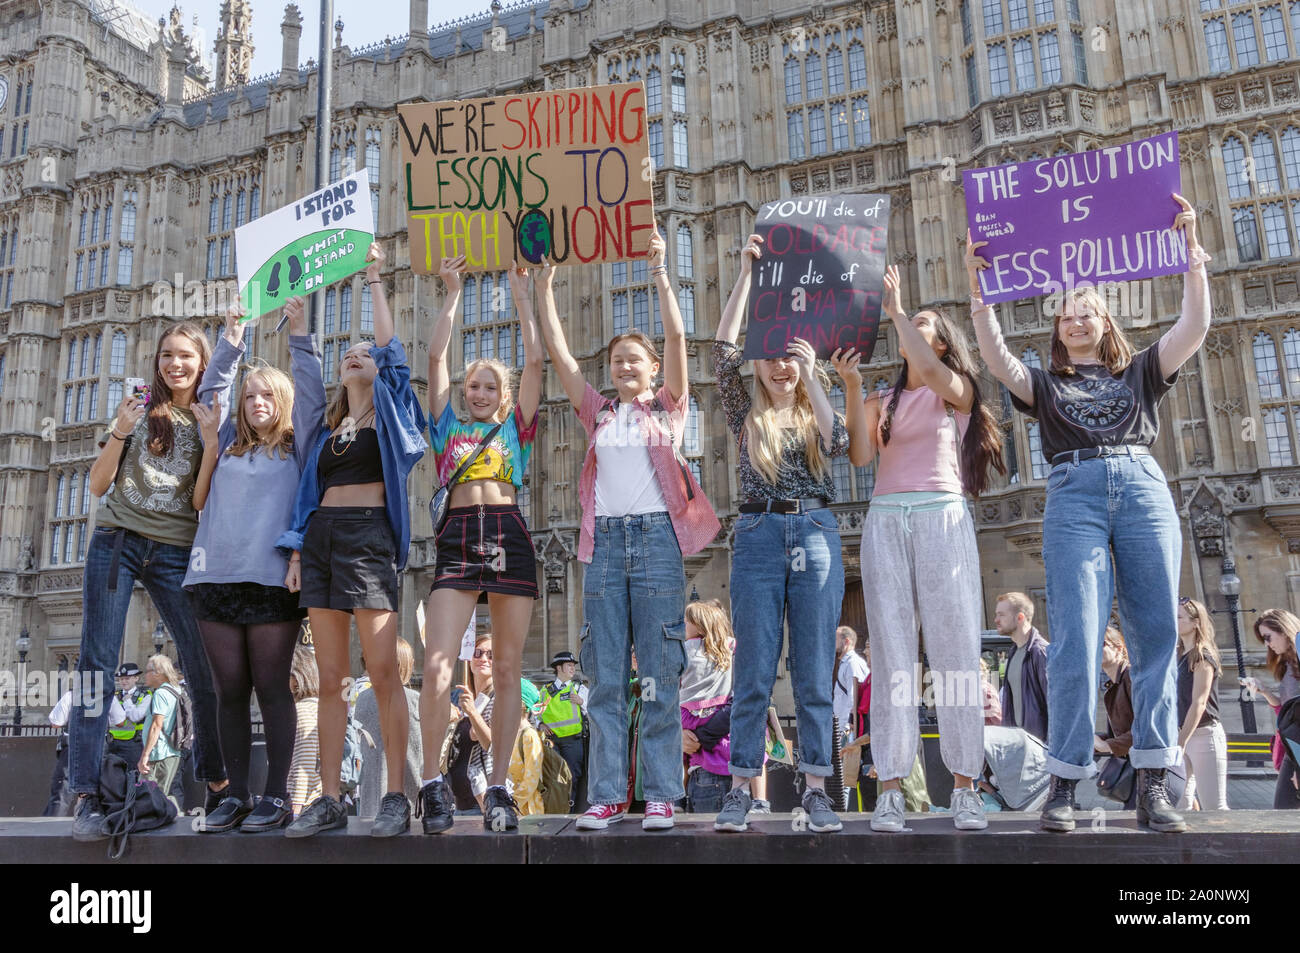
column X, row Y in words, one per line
column 375, row 258
column 658, row 250
column 1186, row 220
column 753, row 249
column 806, row 358
column 892, row 303
column 846, row 364
column 296, row 314
column 519, row 282
column 235, row 316
column 450, row 271
column 975, row 263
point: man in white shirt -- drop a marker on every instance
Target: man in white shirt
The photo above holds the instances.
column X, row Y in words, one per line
column 61, row 800
column 851, row 671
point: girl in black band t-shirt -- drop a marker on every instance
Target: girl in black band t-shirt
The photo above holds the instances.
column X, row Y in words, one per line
column 1109, row 525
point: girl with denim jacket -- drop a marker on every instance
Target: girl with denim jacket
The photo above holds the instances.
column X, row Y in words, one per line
column 641, row 511
column 1110, row 524
column 936, row 440
column 786, row 565
column 350, row 535
column 236, row 582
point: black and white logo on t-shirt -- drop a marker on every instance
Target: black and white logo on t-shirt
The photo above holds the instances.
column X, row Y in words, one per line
column 1096, row 403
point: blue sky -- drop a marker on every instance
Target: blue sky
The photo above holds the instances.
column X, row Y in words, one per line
column 364, row 22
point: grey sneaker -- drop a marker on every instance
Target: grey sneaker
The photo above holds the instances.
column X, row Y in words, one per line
column 817, row 805
column 735, row 808
column 394, row 816
column 323, row 814
column 887, row 818
column 968, row 810
column 761, row 806
column 89, row 819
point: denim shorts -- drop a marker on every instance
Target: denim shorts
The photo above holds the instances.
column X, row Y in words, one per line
column 349, row 560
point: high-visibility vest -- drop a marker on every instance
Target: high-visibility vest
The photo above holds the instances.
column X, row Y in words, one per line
column 562, row 714
column 132, row 731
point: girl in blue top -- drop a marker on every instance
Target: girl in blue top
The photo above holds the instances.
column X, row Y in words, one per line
column 352, row 528
column 484, row 545
column 237, row 578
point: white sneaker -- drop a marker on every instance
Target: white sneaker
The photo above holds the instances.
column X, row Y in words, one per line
column 968, row 810
column 887, row 818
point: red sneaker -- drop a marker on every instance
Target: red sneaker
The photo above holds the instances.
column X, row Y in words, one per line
column 600, row 816
column 658, row 816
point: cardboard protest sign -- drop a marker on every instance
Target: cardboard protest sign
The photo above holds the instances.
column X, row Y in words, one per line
column 1077, row 220
column 821, row 275
column 315, row 241
column 564, row 174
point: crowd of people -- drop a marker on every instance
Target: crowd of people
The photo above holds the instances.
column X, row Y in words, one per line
column 243, row 509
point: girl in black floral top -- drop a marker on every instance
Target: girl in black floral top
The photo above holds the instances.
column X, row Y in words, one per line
column 786, row 564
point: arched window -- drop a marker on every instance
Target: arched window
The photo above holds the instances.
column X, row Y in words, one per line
column 1291, row 139
column 470, row 295
column 1266, row 175
column 685, row 252
column 812, row 71
column 1030, row 358
column 117, row 359
column 794, row 134
column 1267, row 376
column 1234, row 167
column 1246, row 230
column 1277, row 437
column 654, row 91
column 1037, row 464
column 857, row 66
column 834, row 70
column 793, row 86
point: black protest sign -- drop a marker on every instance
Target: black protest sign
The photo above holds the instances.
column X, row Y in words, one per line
column 821, row 275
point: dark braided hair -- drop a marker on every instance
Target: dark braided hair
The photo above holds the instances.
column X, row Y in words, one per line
column 982, row 444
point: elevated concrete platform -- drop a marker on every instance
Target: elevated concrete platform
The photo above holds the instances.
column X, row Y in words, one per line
column 1212, row 838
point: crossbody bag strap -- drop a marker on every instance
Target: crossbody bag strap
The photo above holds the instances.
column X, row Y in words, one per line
column 469, row 461
column 658, row 404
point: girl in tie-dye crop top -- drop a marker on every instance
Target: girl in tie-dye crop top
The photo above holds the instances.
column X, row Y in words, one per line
column 505, row 458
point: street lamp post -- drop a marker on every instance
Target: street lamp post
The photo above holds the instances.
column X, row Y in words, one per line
column 22, row 644
column 1230, row 589
column 159, row 635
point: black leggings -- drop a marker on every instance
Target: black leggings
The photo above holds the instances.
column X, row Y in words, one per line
column 245, row 658
column 1285, row 796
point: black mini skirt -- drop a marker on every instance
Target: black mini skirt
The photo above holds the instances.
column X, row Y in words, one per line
column 243, row 603
column 486, row 549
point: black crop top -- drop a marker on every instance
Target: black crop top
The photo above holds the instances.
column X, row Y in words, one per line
column 346, row 463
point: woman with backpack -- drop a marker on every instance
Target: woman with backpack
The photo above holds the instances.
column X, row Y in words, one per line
column 247, row 616
column 786, row 566
column 351, row 531
column 936, row 441
column 483, row 545
column 641, row 511
column 162, row 745
column 1110, row 527
column 151, row 461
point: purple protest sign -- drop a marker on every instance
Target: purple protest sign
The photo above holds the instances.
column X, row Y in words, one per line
column 1077, row 220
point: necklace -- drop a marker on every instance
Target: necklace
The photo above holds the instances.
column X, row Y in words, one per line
column 334, row 440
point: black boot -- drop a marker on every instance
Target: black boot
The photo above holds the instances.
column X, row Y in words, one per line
column 1155, row 809
column 1058, row 812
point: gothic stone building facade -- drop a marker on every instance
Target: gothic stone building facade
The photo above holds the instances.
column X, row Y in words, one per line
column 122, row 177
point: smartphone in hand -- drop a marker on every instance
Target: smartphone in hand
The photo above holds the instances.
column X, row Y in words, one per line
column 138, row 387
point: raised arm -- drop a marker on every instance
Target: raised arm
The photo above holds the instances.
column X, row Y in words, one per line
column 575, row 387
column 308, row 385
column 1002, row 364
column 209, row 421
column 439, row 341
column 860, row 416
column 675, row 372
column 530, row 381
column 803, row 352
column 934, row 373
column 383, row 317
column 1179, row 343
column 219, row 378
column 733, row 315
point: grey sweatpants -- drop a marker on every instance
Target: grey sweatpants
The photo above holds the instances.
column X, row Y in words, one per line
column 923, row 566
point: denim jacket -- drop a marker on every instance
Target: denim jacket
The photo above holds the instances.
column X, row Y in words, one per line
column 399, row 426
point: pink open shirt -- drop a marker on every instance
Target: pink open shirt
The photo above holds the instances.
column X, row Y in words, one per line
column 693, row 520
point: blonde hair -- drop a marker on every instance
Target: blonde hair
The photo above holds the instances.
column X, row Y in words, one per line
column 504, row 384
column 280, row 437
column 303, row 670
column 1114, row 351
column 165, row 667
column 715, row 625
column 1018, row 601
column 405, row 661
column 1286, row 623
column 1203, row 647
column 767, row 440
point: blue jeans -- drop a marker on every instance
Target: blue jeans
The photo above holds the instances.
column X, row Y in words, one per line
column 705, row 791
column 634, row 596
column 1109, row 527
column 161, row 569
column 784, row 568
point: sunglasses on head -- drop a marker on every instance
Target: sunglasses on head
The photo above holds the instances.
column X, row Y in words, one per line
column 483, row 653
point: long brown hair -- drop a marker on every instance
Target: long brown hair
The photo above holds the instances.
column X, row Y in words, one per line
column 1286, row 623
column 982, row 444
column 715, row 629
column 162, row 434
column 1203, row 647
column 1114, row 351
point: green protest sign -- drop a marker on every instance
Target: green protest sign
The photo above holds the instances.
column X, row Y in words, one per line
column 315, row 241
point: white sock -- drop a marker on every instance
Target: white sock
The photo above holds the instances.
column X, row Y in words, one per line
column 431, row 780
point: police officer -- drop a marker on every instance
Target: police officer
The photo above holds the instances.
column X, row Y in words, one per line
column 564, row 719
column 127, row 742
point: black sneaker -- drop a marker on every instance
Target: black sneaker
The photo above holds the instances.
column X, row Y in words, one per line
column 1058, row 812
column 323, row 814
column 88, row 819
column 228, row 815
column 500, row 812
column 1155, row 807
column 394, row 816
column 435, row 807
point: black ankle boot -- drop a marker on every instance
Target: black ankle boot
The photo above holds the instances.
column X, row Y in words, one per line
column 1155, row 808
column 1058, row 812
